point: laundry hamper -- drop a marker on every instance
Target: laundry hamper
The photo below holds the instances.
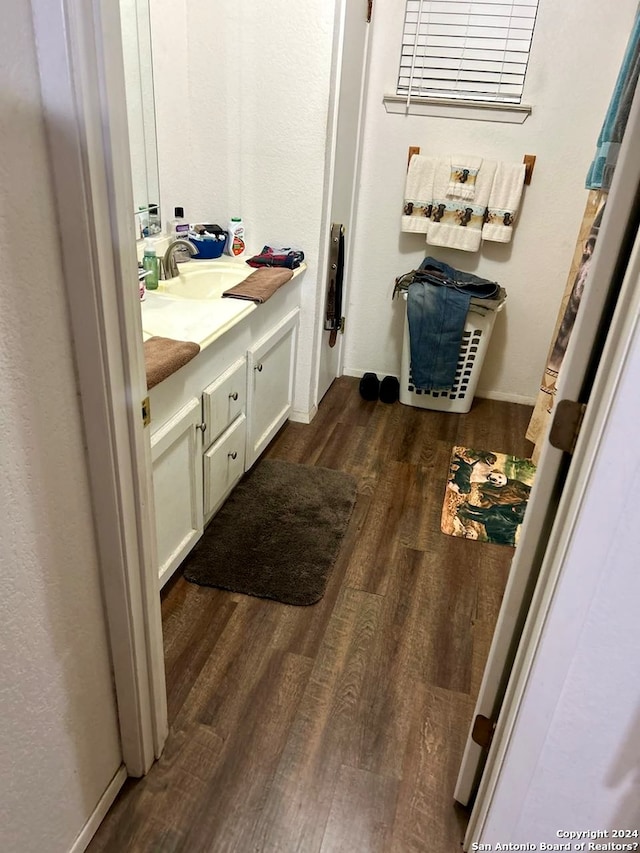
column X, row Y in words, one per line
column 475, row 340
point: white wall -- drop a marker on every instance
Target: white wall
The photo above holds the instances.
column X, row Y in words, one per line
column 242, row 94
column 569, row 82
column 574, row 760
column 59, row 745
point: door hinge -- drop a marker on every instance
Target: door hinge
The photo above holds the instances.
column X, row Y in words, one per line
column 146, row 412
column 482, row 732
column 566, row 424
column 343, row 322
column 369, row 10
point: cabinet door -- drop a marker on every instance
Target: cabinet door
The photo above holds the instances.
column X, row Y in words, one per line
column 224, row 465
column 271, row 368
column 224, row 400
column 177, row 486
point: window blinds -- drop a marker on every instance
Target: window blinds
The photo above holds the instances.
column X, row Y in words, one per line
column 466, row 49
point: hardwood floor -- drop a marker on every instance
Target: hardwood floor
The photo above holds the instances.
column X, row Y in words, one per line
column 336, row 727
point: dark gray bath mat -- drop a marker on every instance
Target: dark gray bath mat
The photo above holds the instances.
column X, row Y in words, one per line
column 278, row 534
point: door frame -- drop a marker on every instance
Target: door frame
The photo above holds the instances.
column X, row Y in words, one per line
column 624, row 332
column 616, row 260
column 340, row 25
column 79, row 51
column 82, row 83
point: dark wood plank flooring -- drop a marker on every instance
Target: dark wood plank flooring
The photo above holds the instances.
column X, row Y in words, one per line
column 337, row 727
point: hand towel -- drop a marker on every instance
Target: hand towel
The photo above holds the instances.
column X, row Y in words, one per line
column 261, row 284
column 418, row 194
column 503, row 202
column 463, row 176
column 601, row 170
column 454, row 223
column 163, row 356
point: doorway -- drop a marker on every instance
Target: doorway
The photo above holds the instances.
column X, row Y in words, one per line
column 362, row 450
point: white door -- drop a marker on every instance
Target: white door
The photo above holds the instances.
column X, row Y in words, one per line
column 270, row 376
column 352, row 72
column 610, row 257
column 176, row 454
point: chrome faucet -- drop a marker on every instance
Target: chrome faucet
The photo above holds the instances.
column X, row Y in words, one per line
column 169, row 264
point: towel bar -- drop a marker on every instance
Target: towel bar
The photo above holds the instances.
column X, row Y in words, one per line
column 529, row 161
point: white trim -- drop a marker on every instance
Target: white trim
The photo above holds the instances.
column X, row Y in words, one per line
column 125, row 256
column 358, row 374
column 506, row 397
column 330, row 161
column 485, row 395
column 300, row 417
column 82, row 83
column 98, row 814
column 333, row 110
column 445, row 108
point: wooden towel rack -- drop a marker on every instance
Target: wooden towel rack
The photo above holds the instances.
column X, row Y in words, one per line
column 529, row 161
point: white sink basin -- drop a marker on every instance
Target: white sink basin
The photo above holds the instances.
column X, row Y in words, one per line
column 205, row 279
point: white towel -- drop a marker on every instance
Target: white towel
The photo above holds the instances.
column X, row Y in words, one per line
column 464, row 173
column 457, row 224
column 418, row 194
column 503, row 202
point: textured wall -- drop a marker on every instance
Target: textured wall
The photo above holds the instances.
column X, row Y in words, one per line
column 58, row 739
column 242, row 94
column 569, row 83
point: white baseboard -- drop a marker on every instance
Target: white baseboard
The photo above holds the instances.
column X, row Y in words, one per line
column 501, row 396
column 301, row 417
column 97, row 816
column 506, row 397
column 358, row 374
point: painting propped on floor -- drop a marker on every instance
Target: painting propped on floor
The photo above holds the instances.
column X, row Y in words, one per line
column 486, row 495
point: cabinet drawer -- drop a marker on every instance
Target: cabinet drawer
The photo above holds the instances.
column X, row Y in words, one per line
column 224, row 465
column 224, row 400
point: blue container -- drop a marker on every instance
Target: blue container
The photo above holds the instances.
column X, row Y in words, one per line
column 208, row 249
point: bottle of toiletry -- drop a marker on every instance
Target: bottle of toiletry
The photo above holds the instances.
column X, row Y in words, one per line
column 143, row 221
column 236, row 239
column 154, row 220
column 151, row 263
column 178, row 228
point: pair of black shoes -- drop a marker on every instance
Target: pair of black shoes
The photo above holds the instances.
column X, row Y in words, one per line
column 371, row 388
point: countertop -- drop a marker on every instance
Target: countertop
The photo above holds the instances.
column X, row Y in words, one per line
column 202, row 321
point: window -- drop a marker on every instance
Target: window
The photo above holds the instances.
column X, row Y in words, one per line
column 471, row 50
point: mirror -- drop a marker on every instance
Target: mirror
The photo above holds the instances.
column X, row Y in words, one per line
column 138, row 72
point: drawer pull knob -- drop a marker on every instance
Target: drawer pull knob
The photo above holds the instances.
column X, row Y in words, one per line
column 233, row 455
column 258, row 367
column 202, row 427
column 233, row 396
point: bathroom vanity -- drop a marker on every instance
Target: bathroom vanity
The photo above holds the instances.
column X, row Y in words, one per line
column 212, row 418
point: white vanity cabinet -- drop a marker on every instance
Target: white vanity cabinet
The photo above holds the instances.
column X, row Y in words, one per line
column 271, row 368
column 176, row 451
column 211, row 419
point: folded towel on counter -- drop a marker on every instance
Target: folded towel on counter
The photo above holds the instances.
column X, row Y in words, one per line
column 463, row 176
column 456, row 224
column 503, row 202
column 163, row 356
column 418, row 194
column 270, row 257
column 260, row 285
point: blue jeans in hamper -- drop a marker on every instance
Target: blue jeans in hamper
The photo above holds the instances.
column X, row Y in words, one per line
column 437, row 306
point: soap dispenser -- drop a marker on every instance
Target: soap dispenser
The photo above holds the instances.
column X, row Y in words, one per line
column 151, row 263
